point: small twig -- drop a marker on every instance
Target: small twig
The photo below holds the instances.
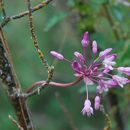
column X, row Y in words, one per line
column 126, row 3
column 15, row 122
column 40, row 53
column 25, row 13
column 2, row 8
column 107, row 118
column 66, row 112
column 35, row 41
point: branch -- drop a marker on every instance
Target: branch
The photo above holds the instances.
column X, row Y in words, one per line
column 35, row 41
column 40, row 53
column 14, row 91
column 25, row 13
column 107, row 118
column 2, row 8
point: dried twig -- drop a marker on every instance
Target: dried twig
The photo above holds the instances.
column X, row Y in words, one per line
column 2, row 8
column 40, row 53
column 15, row 122
column 107, row 118
column 35, row 41
column 25, row 13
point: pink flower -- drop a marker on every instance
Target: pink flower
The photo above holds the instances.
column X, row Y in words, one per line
column 96, row 72
column 104, row 53
column 87, row 108
column 125, row 70
column 120, row 80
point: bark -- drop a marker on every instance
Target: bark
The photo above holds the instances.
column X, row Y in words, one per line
column 15, row 94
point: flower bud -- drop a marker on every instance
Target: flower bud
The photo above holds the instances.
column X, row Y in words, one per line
column 111, row 57
column 76, row 66
column 97, row 103
column 57, row 55
column 105, row 52
column 79, row 56
column 125, row 70
column 85, row 40
column 94, row 47
column 120, row 80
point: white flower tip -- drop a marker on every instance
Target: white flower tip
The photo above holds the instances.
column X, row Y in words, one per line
column 94, row 47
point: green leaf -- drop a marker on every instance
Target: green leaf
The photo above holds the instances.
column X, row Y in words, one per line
column 54, row 20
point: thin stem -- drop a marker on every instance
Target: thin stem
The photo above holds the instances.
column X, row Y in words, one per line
column 85, row 54
column 40, row 53
column 87, row 91
column 25, row 13
column 2, row 8
column 36, row 85
column 15, row 122
column 35, row 41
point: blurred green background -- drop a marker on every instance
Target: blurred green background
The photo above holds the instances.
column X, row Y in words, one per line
column 60, row 27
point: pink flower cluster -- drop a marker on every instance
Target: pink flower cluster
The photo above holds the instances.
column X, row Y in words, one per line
column 97, row 72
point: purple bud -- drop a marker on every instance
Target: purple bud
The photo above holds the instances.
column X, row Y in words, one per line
column 105, row 52
column 111, row 83
column 125, row 70
column 97, row 103
column 79, row 56
column 76, row 66
column 111, row 57
column 57, row 55
column 94, row 47
column 120, row 80
column 85, row 40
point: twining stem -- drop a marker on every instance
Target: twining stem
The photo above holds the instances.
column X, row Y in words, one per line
column 13, row 86
column 25, row 13
column 36, row 85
